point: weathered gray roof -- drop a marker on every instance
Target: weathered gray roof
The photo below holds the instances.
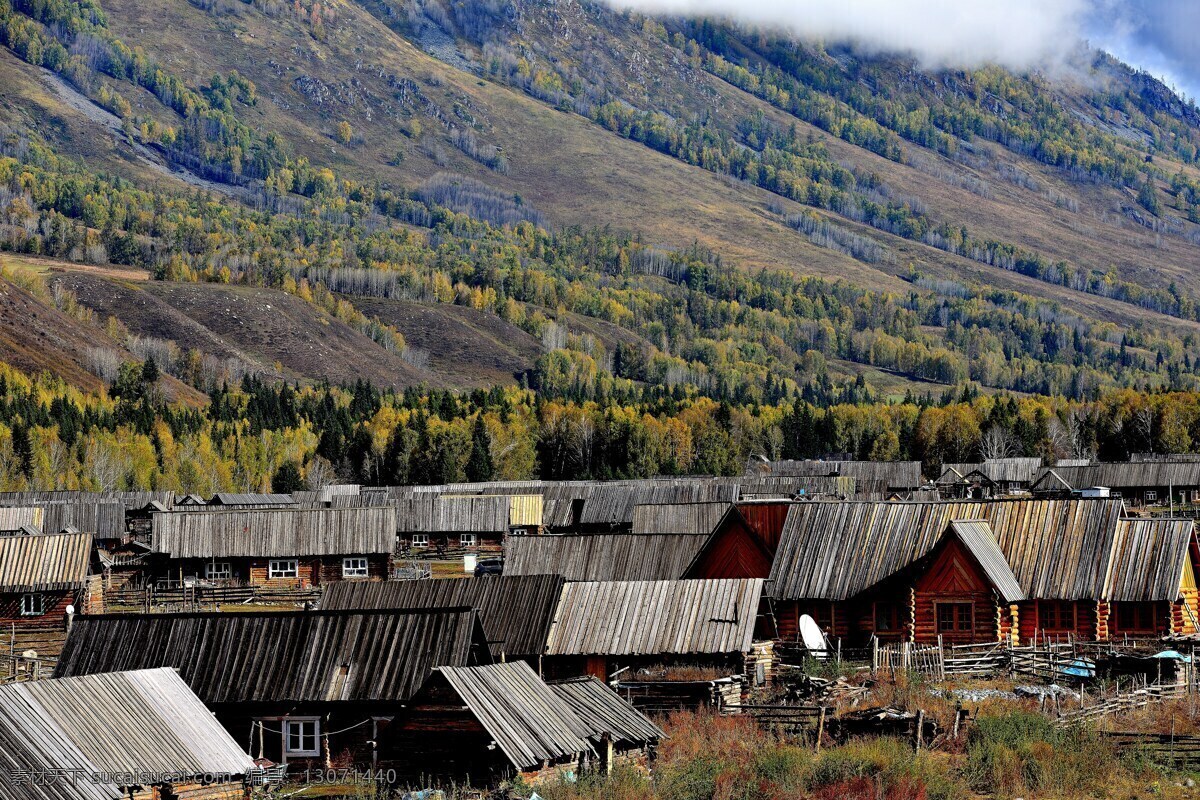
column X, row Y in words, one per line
column 251, row 499
column 275, row 532
column 1010, row 470
column 131, row 500
column 896, row 474
column 628, row 618
column 515, row 610
column 603, row 556
column 44, row 562
column 146, row 721
column 976, row 536
column 13, row 518
column 1124, row 475
column 694, row 518
column 302, row 656
column 1148, row 557
column 1057, row 549
column 105, row 519
column 605, row 713
column 529, row 722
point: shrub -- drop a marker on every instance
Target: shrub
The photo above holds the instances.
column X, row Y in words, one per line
column 887, row 764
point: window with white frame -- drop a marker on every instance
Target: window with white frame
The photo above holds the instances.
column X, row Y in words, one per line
column 33, row 605
column 1151, row 496
column 283, row 568
column 355, row 567
column 302, row 737
column 420, row 540
column 218, row 571
column 468, row 540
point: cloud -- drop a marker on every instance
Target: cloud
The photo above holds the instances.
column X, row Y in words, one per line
column 1013, row 33
column 1156, row 35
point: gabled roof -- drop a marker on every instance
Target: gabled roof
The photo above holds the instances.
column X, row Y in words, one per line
column 1128, row 474
column 895, row 474
column 604, row 713
column 624, row 618
column 603, row 556
column 529, row 722
column 45, row 562
column 140, row 722
column 1057, row 549
column 1020, row 469
column 515, row 610
column 301, row 656
column 976, row 537
column 275, row 533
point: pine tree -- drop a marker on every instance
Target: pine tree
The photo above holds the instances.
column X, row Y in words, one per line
column 479, row 466
column 287, row 478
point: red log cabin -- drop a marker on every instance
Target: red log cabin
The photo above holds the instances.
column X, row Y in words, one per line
column 978, row 571
column 41, row 574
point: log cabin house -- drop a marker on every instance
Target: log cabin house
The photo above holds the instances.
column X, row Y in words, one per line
column 278, row 548
column 1139, row 483
column 481, row 725
column 1003, row 570
column 993, row 477
column 41, row 574
column 311, row 689
column 515, row 610
column 18, row 518
column 898, row 477
column 141, row 735
column 743, row 542
column 604, row 628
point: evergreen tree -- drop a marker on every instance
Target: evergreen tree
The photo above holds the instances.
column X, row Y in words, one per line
column 287, row 478
column 479, row 466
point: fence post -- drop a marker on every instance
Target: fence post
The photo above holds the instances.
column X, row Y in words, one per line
column 905, row 657
column 820, row 728
column 839, row 652
column 941, row 659
column 874, row 654
column 920, row 726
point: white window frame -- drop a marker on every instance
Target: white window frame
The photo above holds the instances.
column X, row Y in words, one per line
column 1151, row 496
column 315, row 736
column 218, row 571
column 468, row 540
column 420, row 540
column 283, row 568
column 27, row 605
column 355, row 567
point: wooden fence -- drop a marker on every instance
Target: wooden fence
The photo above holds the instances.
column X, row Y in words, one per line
column 176, row 598
column 1169, row 749
column 1120, row 702
column 18, row 669
column 926, row 659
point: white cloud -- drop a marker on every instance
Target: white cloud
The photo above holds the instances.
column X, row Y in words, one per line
column 961, row 33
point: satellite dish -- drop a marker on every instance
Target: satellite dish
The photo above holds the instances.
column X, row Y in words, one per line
column 814, row 639
column 29, row 654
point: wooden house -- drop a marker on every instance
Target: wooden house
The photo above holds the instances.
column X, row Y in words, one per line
column 992, row 477
column 449, row 525
column 481, row 725
column 284, row 548
column 603, row 628
column 17, row 518
column 41, row 574
column 1004, row 570
column 603, row 556
column 1138, row 483
column 141, row 735
column 515, row 610
column 305, row 688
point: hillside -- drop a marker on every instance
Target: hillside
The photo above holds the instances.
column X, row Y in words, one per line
column 1026, row 232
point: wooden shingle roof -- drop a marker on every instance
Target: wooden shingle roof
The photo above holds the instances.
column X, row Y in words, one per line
column 1148, row 557
column 604, row 712
column 625, row 618
column 976, row 536
column 1057, row 549
column 302, row 656
column 603, row 556
column 1124, row 475
column 275, row 532
column 694, row 518
column 515, row 610
column 529, row 722
column 145, row 721
column 14, row 518
column 44, row 562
